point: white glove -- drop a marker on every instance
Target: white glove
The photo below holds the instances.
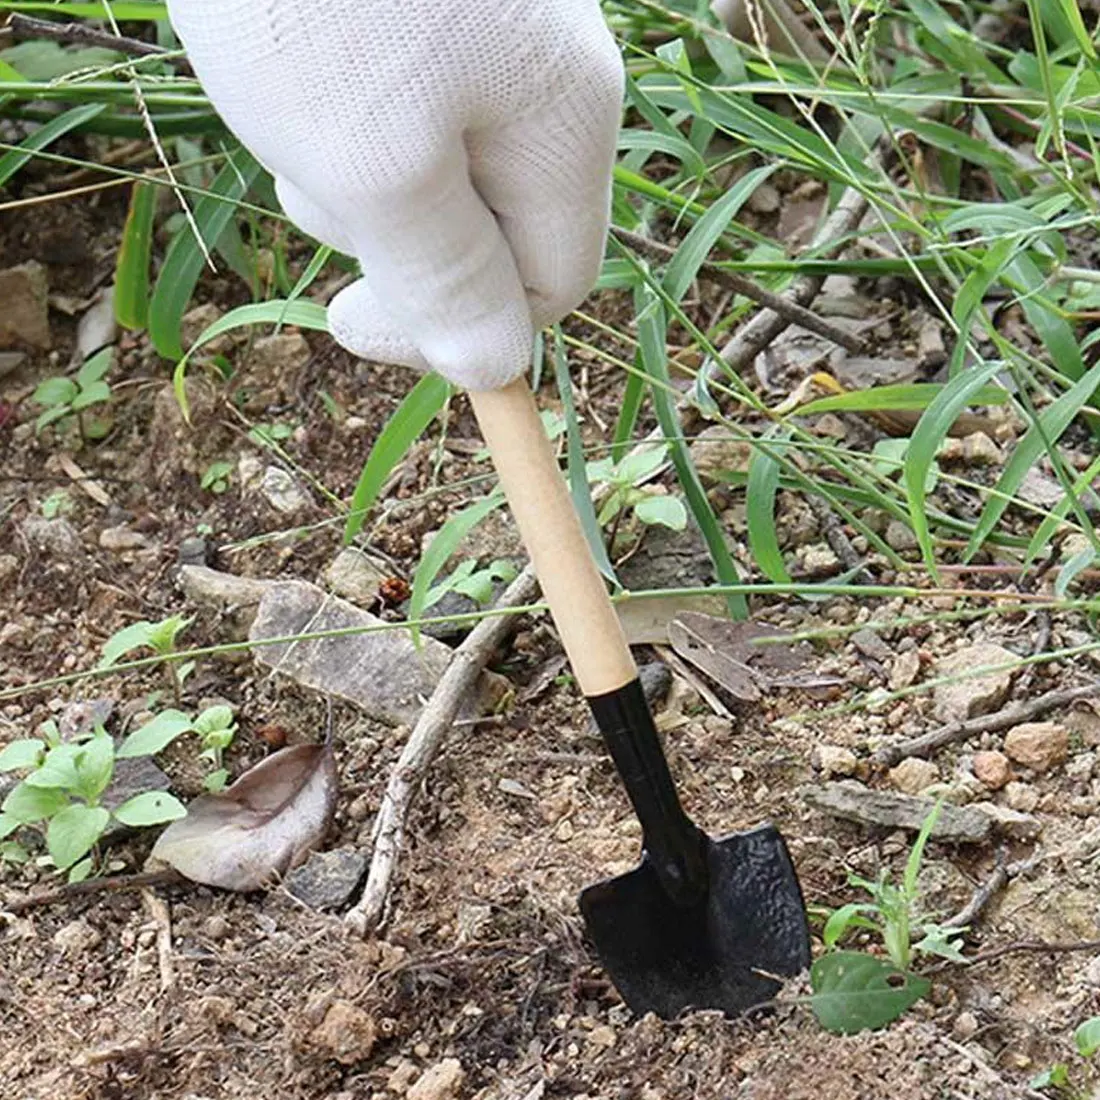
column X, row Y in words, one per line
column 460, row 150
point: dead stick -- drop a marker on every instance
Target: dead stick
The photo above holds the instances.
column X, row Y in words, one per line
column 73, row 890
column 467, row 664
column 791, row 311
column 1002, row 875
column 1012, row 715
column 24, row 27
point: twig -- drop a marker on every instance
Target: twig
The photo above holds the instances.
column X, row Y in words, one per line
column 159, row 915
column 791, row 311
column 1020, row 947
column 1002, row 875
column 837, row 539
column 1039, row 645
column 686, row 672
column 1011, row 715
column 23, row 27
column 438, row 716
column 73, row 890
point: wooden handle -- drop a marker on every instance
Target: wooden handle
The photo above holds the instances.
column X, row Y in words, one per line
column 590, row 630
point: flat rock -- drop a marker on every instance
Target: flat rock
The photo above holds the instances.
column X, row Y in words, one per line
column 327, row 880
column 381, row 672
column 25, row 318
column 717, row 453
column 974, row 695
column 355, row 576
column 904, row 670
column 913, row 774
column 1010, row 823
column 280, row 353
column 120, row 539
column 238, row 598
column 440, row 1082
column 854, row 802
column 1037, row 745
column 282, row 492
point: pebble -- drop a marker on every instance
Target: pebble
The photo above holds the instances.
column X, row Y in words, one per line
column 993, row 769
column 282, row 492
column 328, row 880
column 1038, row 745
column 1011, row 823
column 564, row 831
column 905, row 670
column 971, row 696
column 1021, row 796
column 899, row 536
column 120, row 539
column 216, row 927
column 9, row 566
column 912, row 775
column 965, row 1025
column 870, row 644
column 441, row 1082
column 51, row 536
column 355, row 576
column 346, row 1033
column 835, row 760
column 77, row 937
column 603, row 1037
column 819, row 560
column 281, row 353
column 24, row 290
column 979, row 449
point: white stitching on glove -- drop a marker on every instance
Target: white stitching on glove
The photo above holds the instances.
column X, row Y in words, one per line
column 460, row 150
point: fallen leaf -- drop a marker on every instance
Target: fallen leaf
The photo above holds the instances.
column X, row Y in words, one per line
column 259, row 828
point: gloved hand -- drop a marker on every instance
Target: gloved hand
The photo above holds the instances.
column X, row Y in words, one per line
column 460, row 150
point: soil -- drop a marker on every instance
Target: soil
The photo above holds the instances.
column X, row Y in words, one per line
column 481, row 983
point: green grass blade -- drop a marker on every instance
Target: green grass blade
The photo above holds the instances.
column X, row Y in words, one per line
column 419, row 408
column 134, row 11
column 931, row 430
column 578, row 477
column 911, row 398
column 1049, row 527
column 763, row 484
column 631, row 406
column 184, row 261
column 132, row 264
column 11, row 162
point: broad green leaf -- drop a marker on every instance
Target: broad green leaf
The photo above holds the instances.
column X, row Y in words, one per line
column 8, row 825
column 665, row 510
column 419, row 408
column 50, row 415
column 930, row 432
column 11, row 162
column 856, row 992
column 847, row 916
column 184, row 261
column 27, row 804
column 760, row 494
column 73, row 831
column 150, row 808
column 95, row 764
column 95, row 367
column 155, row 735
column 1086, row 1037
column 1056, row 1076
column 126, row 640
column 445, row 543
column 26, row 753
column 94, row 394
column 578, row 477
column 213, row 718
column 640, row 465
column 58, row 770
column 134, row 254
column 914, row 397
column 163, row 634
column 55, row 392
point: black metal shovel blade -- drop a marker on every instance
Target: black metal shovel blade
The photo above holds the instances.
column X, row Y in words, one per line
column 715, row 954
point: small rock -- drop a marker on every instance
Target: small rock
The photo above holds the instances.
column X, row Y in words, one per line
column 979, row 449
column 765, row 199
column 236, row 597
column 1009, row 822
column 1040, row 489
column 1021, row 796
column 717, row 453
column 355, row 576
column 830, row 426
column 564, row 831
column 819, row 560
column 992, row 768
column 965, row 1026
column 1037, row 745
column 25, row 319
column 904, row 670
column 11, row 361
column 77, row 937
column 973, row 695
column 912, row 775
column 870, row 644
column 899, row 536
column 120, row 539
column 216, row 927
column 835, row 760
column 56, row 537
column 931, row 350
column 195, row 550
column 656, row 678
column 196, row 321
column 98, row 327
column 327, row 880
column 9, row 566
column 441, row 1082
column 282, row 492
column 281, row 353
column 346, row 1033
column 402, row 1077
column 1092, row 972
column 602, row 1037
column 81, row 716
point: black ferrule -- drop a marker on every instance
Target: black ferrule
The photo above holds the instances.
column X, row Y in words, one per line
column 674, row 845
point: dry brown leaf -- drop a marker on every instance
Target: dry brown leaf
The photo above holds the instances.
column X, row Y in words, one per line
column 259, row 828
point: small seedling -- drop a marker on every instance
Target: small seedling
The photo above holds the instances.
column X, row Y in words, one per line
column 1057, row 1078
column 216, row 477
column 854, row 991
column 57, row 504
column 63, row 789
column 476, row 584
column 267, row 435
column 62, row 396
column 217, row 729
column 160, row 638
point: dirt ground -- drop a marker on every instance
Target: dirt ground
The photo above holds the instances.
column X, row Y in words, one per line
column 481, row 984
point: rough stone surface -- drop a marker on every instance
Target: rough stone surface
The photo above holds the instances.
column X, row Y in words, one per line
column 912, row 775
column 1021, row 796
column 120, row 539
column 974, row 695
column 854, row 802
column 899, row 536
column 236, row 597
column 381, row 672
column 327, row 880
column 346, row 1033
column 355, row 576
column 77, row 937
column 993, row 769
column 716, row 453
column 196, row 321
column 282, row 492
column 1037, row 745
column 980, row 450
column 904, row 670
column 835, row 760
column 281, row 353
column 1010, row 823
column 56, row 537
column 25, row 318
column 441, row 1082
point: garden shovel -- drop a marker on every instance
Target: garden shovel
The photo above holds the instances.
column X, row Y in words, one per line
column 700, row 923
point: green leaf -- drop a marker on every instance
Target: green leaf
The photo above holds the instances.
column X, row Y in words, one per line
column 856, row 992
column 95, row 764
column 1068, row 573
column 217, row 717
column 134, row 254
column 80, row 871
column 930, row 432
column 445, row 543
column 760, row 494
column 184, row 261
column 156, row 735
column 1087, row 1037
column 1057, row 1076
column 55, row 392
column 126, row 640
column 640, row 465
column 8, row 825
column 665, row 510
column 13, row 852
column 847, row 916
column 73, row 831
column 12, row 161
column 30, row 804
column 135, row 10
column 914, row 397
column 95, row 394
column 26, row 753
column 58, row 769
column 916, row 853
column 163, row 635
column 419, row 408
column 95, row 367
column 216, row 781
column 150, row 808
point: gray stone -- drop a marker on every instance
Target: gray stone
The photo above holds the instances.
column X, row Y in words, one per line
column 382, row 672
column 77, row 937
column 229, row 595
column 195, row 550
column 870, row 644
column 56, row 537
column 327, row 880
column 25, row 318
column 863, row 373
column 904, row 670
column 282, row 492
column 973, row 696
column 854, row 802
column 355, row 576
column 1010, row 823
column 83, row 715
column 120, row 539
column 656, row 678
column 900, row 537
column 281, row 353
